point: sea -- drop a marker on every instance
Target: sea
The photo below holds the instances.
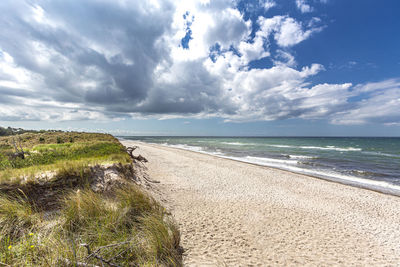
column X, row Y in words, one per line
column 367, row 162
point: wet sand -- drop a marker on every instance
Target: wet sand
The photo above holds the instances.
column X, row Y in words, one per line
column 237, row 214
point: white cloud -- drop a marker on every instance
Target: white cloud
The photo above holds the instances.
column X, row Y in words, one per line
column 268, row 4
column 119, row 59
column 252, row 51
column 291, row 33
column 303, row 6
column 381, row 104
column 285, row 58
column 390, row 84
column 287, row 31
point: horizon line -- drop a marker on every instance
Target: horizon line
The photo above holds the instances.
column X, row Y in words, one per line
column 259, row 136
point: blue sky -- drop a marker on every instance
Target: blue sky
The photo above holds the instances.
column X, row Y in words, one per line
column 292, row 67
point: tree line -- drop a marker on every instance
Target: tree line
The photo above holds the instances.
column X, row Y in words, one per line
column 14, row 131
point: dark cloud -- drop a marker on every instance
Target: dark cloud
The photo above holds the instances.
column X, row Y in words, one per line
column 128, row 34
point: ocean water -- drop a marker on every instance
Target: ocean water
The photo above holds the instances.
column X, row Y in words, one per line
column 372, row 163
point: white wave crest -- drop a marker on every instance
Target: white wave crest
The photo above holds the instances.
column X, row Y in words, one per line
column 332, row 148
column 300, row 157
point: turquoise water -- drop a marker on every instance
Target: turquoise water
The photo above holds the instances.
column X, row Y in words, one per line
column 373, row 163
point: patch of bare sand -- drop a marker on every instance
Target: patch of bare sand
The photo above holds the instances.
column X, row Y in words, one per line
column 238, row 214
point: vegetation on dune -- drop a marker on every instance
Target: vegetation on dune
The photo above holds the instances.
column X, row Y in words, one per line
column 13, row 131
column 53, row 154
column 48, row 154
column 61, row 220
column 121, row 231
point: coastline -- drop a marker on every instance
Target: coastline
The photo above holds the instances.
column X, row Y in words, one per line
column 232, row 212
column 367, row 184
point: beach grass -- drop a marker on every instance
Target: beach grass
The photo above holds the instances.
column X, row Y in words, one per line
column 50, row 155
column 57, row 219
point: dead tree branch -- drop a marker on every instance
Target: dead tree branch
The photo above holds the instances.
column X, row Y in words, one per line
column 78, row 263
column 95, row 254
column 135, row 158
column 19, row 153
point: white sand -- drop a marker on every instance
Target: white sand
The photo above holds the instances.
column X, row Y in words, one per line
column 237, row 214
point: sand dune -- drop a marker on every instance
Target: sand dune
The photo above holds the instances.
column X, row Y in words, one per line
column 237, row 214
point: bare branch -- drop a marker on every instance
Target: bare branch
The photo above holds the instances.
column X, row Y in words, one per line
column 15, row 145
column 19, row 153
column 97, row 256
column 139, row 158
column 78, row 264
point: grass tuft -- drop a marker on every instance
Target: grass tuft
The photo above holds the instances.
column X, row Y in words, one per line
column 163, row 237
column 16, row 217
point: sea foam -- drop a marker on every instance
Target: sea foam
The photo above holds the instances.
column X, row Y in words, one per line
column 292, row 165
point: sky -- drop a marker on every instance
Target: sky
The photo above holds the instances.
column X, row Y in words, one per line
column 223, row 67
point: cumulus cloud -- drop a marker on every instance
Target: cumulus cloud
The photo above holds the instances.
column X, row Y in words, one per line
column 287, row 31
column 97, row 54
column 108, row 60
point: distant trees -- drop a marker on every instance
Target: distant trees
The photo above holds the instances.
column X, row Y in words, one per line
column 14, row 131
column 6, row 131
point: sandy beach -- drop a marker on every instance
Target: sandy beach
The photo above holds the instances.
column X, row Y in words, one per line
column 237, row 214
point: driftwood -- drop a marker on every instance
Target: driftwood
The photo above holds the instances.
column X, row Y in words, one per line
column 135, row 158
column 76, row 263
column 19, row 153
column 95, row 254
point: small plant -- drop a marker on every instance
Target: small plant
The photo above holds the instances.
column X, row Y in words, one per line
column 59, row 140
column 41, row 139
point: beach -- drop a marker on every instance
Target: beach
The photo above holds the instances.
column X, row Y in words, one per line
column 239, row 214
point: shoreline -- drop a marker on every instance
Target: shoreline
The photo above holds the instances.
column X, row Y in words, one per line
column 375, row 188
column 236, row 213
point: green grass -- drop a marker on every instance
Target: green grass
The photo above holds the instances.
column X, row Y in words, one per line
column 131, row 220
column 51, row 153
column 16, row 217
column 86, row 149
column 47, row 221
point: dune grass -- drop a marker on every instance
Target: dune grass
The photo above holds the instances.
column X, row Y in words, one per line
column 73, row 225
column 131, row 222
column 41, row 156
